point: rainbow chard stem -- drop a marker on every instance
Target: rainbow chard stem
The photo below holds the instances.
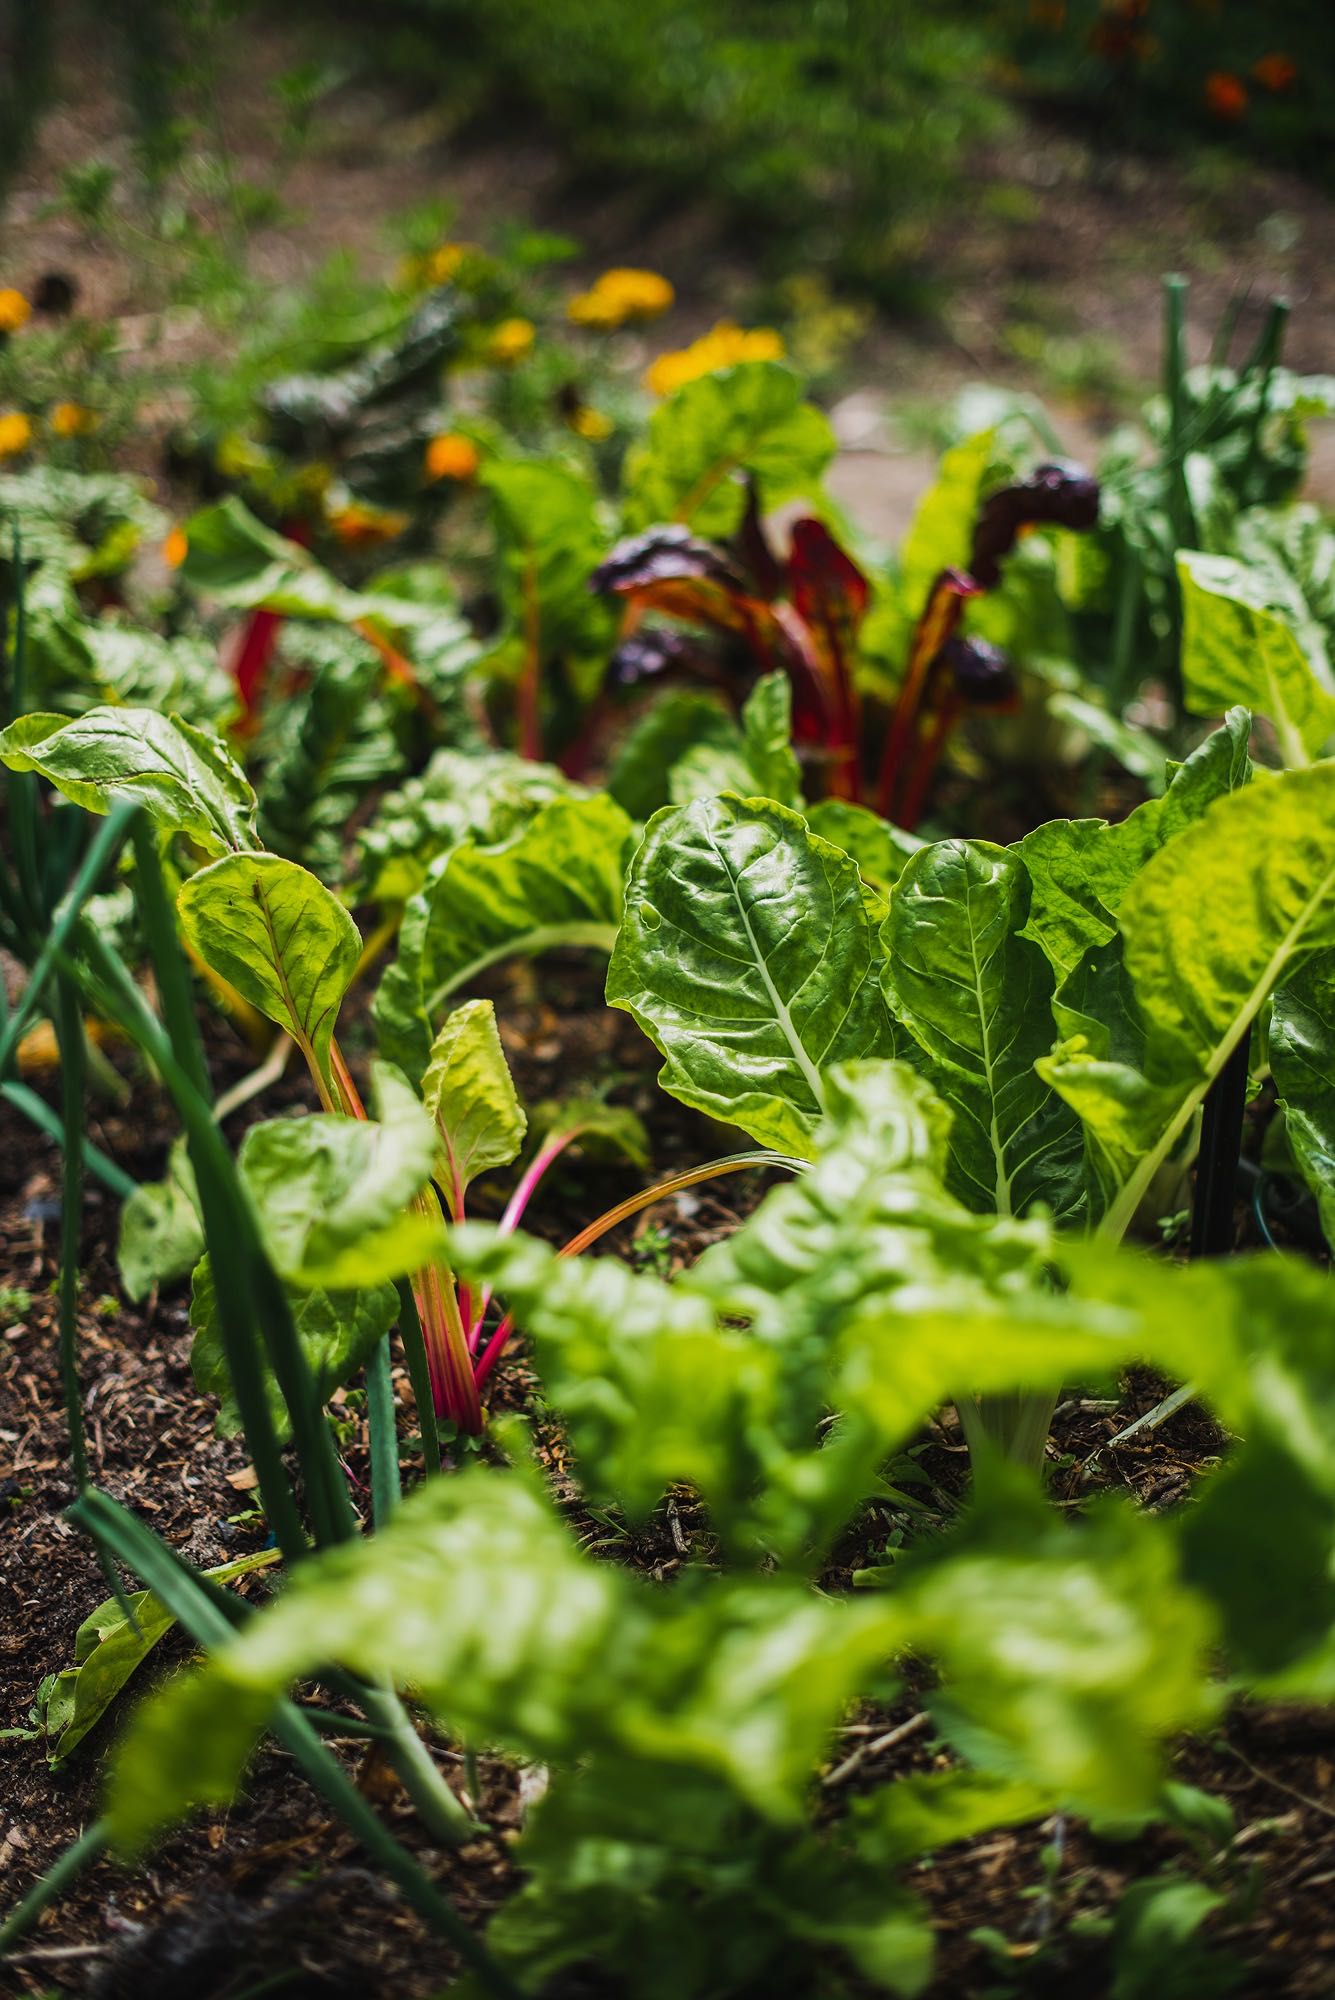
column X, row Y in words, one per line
column 733, row 1163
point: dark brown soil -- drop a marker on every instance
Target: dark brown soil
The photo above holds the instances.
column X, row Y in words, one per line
column 274, row 1882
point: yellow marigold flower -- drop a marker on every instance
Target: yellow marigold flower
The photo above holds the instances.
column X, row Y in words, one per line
column 14, row 310
column 621, row 295
column 69, row 420
column 439, row 266
column 722, row 347
column 451, row 456
column 175, row 549
column 590, row 424
column 358, row 526
column 510, row 341
column 15, row 433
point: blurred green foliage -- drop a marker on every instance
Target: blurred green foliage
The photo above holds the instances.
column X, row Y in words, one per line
column 832, row 133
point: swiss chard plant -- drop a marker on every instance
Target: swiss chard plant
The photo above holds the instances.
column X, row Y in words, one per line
column 681, row 1727
column 803, row 616
column 1074, row 998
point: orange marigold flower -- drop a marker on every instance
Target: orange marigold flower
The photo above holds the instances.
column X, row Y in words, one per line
column 14, row 310
column 358, row 526
column 451, row 456
column 175, row 549
column 69, row 420
column 722, row 347
column 510, row 341
column 1225, row 94
column 1275, row 72
column 15, row 433
column 618, row 296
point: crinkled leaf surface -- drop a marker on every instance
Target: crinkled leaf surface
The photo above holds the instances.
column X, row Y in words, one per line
column 185, row 777
column 281, row 939
column 485, row 796
column 469, row 1092
column 1080, row 869
column 977, row 997
column 1237, row 648
column 749, row 418
column 540, row 1650
column 1209, row 926
column 558, row 881
column 1302, row 1062
column 880, row 848
column 749, row 955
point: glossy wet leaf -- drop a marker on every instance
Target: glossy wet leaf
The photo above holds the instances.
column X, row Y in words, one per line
column 279, row 937
column 1302, row 1062
column 749, row 955
column 185, row 777
column 1210, row 926
column 976, row 996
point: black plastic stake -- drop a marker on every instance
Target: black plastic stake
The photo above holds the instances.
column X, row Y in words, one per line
column 1212, row 1212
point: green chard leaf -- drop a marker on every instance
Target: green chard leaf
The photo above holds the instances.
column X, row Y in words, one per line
column 682, row 720
column 1302, row 1062
column 551, row 540
column 748, row 954
column 185, row 777
column 881, row 850
column 331, row 1194
column 977, row 997
column 280, row 938
column 161, row 1235
column 485, row 796
column 108, row 1650
column 1210, row 925
column 1237, row 646
column 568, row 1659
column 557, row 882
column 338, row 1332
column 749, row 418
column 760, row 761
column 1080, row 869
column 233, row 557
column 467, row 1088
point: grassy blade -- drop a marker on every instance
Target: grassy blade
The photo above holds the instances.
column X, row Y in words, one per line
column 384, row 1436
column 414, row 1350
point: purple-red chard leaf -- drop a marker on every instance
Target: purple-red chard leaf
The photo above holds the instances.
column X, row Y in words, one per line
column 830, row 595
column 981, row 675
column 1053, row 496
